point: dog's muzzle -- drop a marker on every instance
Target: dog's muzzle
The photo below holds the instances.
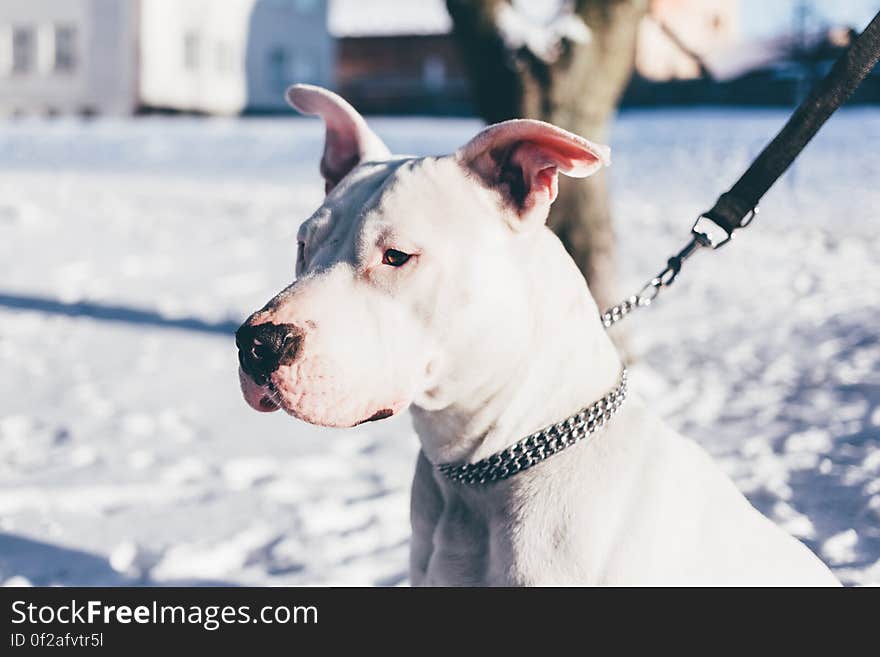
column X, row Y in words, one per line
column 264, row 348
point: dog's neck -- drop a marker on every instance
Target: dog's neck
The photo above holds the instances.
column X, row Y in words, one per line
column 572, row 363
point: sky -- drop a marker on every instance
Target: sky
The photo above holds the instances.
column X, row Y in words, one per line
column 769, row 17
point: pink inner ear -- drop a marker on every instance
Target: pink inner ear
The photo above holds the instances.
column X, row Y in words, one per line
column 341, row 154
column 522, row 158
column 530, row 147
column 548, row 178
column 574, row 159
column 571, row 154
column 539, row 168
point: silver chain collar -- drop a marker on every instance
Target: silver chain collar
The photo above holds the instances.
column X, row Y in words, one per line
column 706, row 232
column 540, row 445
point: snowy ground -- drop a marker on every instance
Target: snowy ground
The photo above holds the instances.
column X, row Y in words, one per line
column 129, row 252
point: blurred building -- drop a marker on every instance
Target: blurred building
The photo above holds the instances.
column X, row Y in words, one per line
column 75, row 56
column 386, row 56
column 682, row 63
column 398, row 57
column 118, row 56
column 231, row 56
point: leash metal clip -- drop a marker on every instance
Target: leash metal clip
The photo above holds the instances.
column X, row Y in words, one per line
column 705, row 232
column 712, row 234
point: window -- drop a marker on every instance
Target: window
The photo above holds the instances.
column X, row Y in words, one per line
column 434, row 72
column 191, row 51
column 304, row 68
column 22, row 49
column 5, row 50
column 279, row 60
column 306, row 6
column 224, row 57
column 301, row 6
column 65, row 49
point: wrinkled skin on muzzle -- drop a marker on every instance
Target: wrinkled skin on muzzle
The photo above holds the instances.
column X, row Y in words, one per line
column 362, row 356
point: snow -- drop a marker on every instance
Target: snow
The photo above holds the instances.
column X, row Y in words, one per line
column 130, row 250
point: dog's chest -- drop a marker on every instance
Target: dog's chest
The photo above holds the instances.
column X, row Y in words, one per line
column 481, row 540
column 464, row 546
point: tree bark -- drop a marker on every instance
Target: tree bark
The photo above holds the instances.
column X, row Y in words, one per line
column 579, row 92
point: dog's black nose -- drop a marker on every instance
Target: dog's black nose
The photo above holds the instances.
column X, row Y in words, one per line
column 263, row 348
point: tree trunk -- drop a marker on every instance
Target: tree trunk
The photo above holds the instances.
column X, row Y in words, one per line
column 579, row 92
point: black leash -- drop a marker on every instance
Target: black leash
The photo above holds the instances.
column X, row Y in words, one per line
column 737, row 207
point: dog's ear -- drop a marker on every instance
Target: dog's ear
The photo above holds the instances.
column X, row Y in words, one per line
column 521, row 159
column 348, row 140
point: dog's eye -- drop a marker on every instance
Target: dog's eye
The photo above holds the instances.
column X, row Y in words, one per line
column 395, row 258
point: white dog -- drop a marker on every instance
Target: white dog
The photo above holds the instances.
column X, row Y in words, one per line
column 433, row 283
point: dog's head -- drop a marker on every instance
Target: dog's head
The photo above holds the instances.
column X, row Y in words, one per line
column 408, row 272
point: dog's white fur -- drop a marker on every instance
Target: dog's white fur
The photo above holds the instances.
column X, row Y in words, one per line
column 489, row 333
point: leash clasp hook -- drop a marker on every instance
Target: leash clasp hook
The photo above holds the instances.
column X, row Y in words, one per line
column 712, row 234
column 705, row 232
